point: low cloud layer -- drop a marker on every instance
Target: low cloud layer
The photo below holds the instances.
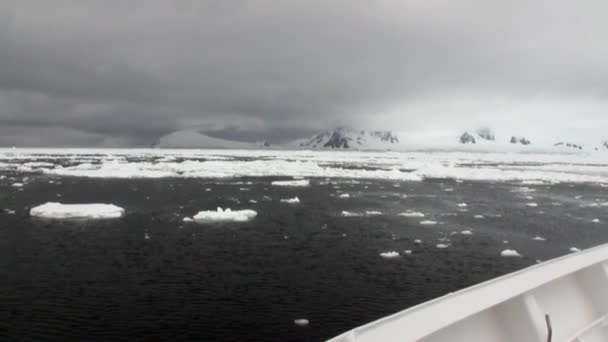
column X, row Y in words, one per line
column 91, row 73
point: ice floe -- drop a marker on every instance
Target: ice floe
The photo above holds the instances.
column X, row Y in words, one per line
column 294, row 200
column 17, row 185
column 389, row 255
column 532, row 204
column 595, row 220
column 54, row 210
column 510, row 253
column 479, row 217
column 299, row 182
column 428, row 223
column 407, row 252
column 411, row 214
column 442, row 245
column 221, row 215
column 462, row 205
column 539, row 238
column 574, row 250
column 301, row 322
column 344, row 196
column 466, row 232
column 187, row 219
column 373, row 213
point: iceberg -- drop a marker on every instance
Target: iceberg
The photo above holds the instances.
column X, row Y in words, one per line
column 55, row 210
column 221, row 215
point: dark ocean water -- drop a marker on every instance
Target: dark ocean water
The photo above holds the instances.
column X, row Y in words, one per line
column 103, row 280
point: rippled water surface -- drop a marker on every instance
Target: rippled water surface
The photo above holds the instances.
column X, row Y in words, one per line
column 104, row 280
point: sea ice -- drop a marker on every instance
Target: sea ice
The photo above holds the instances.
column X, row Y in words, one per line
column 227, row 215
column 509, row 253
column 299, row 182
column 442, row 245
column 77, row 211
column 479, row 217
column 373, row 213
column 17, row 185
column 428, row 223
column 532, row 204
column 596, row 220
column 411, row 214
column 389, row 255
column 350, row 214
column 301, row 322
column 574, row 250
column 462, row 205
column 344, row 196
column 539, row 238
column 466, row 232
column 188, row 219
column 294, row 200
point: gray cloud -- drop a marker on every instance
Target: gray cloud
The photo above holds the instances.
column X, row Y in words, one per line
column 94, row 72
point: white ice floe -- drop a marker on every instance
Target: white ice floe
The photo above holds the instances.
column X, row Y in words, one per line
column 539, row 238
column 373, row 213
column 55, row 210
column 221, row 215
column 462, row 205
column 532, row 204
column 299, row 182
column 479, row 217
column 596, row 220
column 574, row 250
column 301, row 322
column 428, row 223
column 417, row 241
column 389, row 255
column 442, row 245
column 466, row 232
column 510, row 253
column 294, row 200
column 17, row 185
column 253, row 201
column 346, row 213
column 411, row 214
column 407, row 252
column 188, row 219
column 344, row 196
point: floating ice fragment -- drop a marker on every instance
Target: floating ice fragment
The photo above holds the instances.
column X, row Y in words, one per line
column 373, row 212
column 294, row 200
column 442, row 245
column 596, row 220
column 539, row 238
column 301, row 322
column 188, row 219
column 411, row 214
column 350, row 214
column 77, row 211
column 428, row 223
column 479, row 217
column 389, row 255
column 466, row 232
column 407, row 252
column 510, row 253
column 225, row 215
column 17, row 185
column 532, row 204
column 574, row 250
column 344, row 196
column 300, row 182
column 462, row 205
column 253, row 201
column 417, row 241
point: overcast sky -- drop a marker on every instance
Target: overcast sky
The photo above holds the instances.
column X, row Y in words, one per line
column 122, row 73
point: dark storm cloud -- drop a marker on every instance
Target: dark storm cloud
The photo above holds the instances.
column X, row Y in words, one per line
column 101, row 72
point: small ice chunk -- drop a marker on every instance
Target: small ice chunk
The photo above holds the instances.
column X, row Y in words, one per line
column 407, row 252
column 532, row 204
column 208, row 189
column 411, row 214
column 574, row 250
column 479, row 217
column 147, row 236
column 466, row 232
column 350, row 214
column 539, row 238
column 389, row 255
column 17, row 185
column 428, row 223
column 221, row 215
column 510, row 253
column 442, row 245
column 9, row 211
column 300, row 182
column 294, row 200
column 596, row 220
column 448, row 189
column 77, row 211
column 417, row 241
column 373, row 212
column 301, row 322
column 188, row 219
column 462, row 205
column 344, row 196
column 253, row 201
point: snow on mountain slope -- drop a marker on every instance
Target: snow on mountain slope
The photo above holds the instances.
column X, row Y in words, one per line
column 192, row 138
column 347, row 138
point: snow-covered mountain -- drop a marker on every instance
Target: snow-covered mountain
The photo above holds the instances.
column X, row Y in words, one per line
column 192, row 138
column 348, row 138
